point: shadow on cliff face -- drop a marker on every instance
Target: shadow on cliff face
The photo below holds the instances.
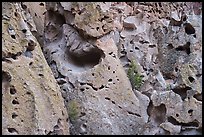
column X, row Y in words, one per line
column 89, row 59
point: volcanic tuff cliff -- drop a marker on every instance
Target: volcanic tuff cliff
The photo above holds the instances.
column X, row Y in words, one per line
column 102, row 68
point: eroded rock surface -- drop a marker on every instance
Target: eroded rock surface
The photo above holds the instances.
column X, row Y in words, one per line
column 31, row 99
column 91, row 47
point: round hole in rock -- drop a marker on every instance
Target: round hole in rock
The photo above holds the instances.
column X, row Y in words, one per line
column 108, row 67
column 191, row 79
column 190, row 111
column 13, row 36
column 189, row 29
column 12, row 90
column 109, row 80
column 6, row 77
column 14, row 115
column 24, row 30
column 15, row 102
column 41, row 4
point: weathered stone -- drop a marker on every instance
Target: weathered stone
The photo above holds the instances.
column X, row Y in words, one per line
column 31, row 100
column 91, row 46
column 129, row 23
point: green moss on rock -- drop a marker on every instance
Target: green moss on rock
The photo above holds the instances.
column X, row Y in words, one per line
column 134, row 77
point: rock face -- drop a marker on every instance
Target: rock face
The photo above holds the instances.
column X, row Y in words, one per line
column 31, row 99
column 121, row 67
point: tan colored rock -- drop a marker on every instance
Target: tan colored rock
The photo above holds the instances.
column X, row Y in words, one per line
column 31, row 100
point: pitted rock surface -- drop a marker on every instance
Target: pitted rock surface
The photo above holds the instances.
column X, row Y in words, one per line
column 90, row 48
column 31, row 99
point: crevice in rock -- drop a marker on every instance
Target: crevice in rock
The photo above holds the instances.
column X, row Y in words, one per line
column 182, row 91
column 172, row 120
column 131, row 113
column 91, row 85
column 12, row 130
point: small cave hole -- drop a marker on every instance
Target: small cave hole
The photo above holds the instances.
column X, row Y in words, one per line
column 182, row 92
column 136, row 48
column 113, row 102
column 176, row 69
column 108, row 67
column 191, row 79
column 15, row 13
column 172, row 120
column 170, row 46
column 131, row 50
column 84, row 125
column 92, row 74
column 23, row 6
column 13, row 36
column 101, row 87
column 194, row 35
column 124, row 52
column 56, row 127
column 14, row 115
column 41, row 4
column 12, row 90
column 24, row 30
column 82, row 114
column 113, row 71
column 107, row 98
column 31, row 63
column 28, row 93
column 198, row 97
column 15, row 102
column 152, row 46
column 185, row 48
column 82, row 89
column 41, row 75
column 110, row 80
column 190, row 112
column 189, row 29
column 97, row 28
column 12, row 130
column 177, row 115
column 184, row 18
column 86, row 60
